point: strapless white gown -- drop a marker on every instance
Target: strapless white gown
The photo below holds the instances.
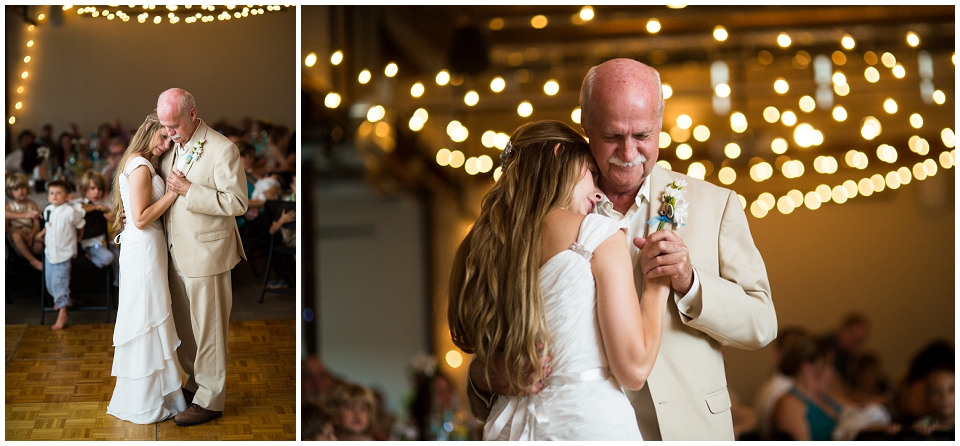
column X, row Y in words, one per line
column 145, row 338
column 582, row 400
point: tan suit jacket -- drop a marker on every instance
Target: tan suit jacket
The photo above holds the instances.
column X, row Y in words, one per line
column 687, row 389
column 686, row 396
column 201, row 227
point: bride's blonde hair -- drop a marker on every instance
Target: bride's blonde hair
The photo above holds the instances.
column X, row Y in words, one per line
column 140, row 143
column 496, row 304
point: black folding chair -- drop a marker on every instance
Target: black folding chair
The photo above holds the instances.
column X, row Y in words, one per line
column 273, row 210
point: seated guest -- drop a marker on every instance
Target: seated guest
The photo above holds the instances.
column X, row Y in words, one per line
column 46, row 136
column 258, row 135
column 316, row 424
column 911, row 401
column 353, row 407
column 807, row 412
column 940, row 399
column 22, row 218
column 289, row 234
column 93, row 188
column 777, row 385
column 280, row 156
column 23, row 158
column 248, row 161
column 115, row 150
column 99, row 143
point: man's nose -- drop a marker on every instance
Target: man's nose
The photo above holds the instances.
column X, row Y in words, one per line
column 630, row 149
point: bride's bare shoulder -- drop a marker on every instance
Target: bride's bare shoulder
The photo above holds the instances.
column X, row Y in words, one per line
column 560, row 230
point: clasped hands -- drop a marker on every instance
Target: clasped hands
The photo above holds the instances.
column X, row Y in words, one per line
column 177, row 182
column 664, row 255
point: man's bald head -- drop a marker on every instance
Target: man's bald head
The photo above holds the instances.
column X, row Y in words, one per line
column 614, row 77
column 177, row 111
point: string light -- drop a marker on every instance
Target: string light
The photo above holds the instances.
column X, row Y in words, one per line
column 760, row 170
column 310, row 60
column 176, row 15
column 586, row 13
column 720, row 33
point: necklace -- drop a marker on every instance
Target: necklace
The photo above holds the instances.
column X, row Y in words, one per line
column 17, row 207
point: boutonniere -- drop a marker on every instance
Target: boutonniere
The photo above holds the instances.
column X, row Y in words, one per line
column 195, row 152
column 674, row 207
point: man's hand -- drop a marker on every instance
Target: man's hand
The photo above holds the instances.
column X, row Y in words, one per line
column 663, row 254
column 498, row 376
column 178, row 183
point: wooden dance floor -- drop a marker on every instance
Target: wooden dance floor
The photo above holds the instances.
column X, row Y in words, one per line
column 58, row 385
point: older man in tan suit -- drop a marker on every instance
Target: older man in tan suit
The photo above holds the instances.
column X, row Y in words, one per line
column 721, row 295
column 204, row 169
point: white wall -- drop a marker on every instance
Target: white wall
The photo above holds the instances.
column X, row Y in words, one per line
column 372, row 287
column 90, row 71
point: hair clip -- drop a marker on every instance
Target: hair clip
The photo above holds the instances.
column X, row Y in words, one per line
column 507, row 151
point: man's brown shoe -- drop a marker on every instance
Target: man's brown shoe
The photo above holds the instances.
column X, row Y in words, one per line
column 188, row 396
column 195, row 415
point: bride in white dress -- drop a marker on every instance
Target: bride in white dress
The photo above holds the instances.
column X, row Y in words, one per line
column 539, row 276
column 145, row 338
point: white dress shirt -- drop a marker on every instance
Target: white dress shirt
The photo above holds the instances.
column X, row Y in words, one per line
column 62, row 223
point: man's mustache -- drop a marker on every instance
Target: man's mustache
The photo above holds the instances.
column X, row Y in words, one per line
column 617, row 161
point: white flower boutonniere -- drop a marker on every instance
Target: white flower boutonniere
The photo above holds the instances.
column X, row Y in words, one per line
column 195, row 153
column 674, row 207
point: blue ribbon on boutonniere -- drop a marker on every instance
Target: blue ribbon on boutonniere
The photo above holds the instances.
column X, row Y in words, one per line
column 674, row 207
column 195, row 153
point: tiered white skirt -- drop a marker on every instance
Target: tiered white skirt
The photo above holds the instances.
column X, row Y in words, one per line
column 145, row 338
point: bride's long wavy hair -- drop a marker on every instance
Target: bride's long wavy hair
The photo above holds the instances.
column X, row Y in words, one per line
column 140, row 143
column 496, row 304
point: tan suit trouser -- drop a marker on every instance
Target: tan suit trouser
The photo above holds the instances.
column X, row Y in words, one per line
column 201, row 312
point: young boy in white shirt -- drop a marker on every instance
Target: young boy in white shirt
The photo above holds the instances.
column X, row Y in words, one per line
column 60, row 234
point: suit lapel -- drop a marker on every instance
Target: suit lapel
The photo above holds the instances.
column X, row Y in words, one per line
column 658, row 181
column 199, row 135
column 658, row 178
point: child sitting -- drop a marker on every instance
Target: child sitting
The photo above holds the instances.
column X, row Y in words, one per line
column 22, row 218
column 289, row 235
column 352, row 406
column 940, row 401
column 64, row 219
column 94, row 243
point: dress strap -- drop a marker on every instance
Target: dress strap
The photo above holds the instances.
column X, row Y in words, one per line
column 579, row 249
column 138, row 161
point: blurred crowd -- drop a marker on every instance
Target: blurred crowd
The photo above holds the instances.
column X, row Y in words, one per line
column 825, row 386
column 336, row 409
column 88, row 162
column 829, row 387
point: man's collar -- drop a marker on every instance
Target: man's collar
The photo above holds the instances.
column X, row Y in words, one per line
column 182, row 147
column 643, row 193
